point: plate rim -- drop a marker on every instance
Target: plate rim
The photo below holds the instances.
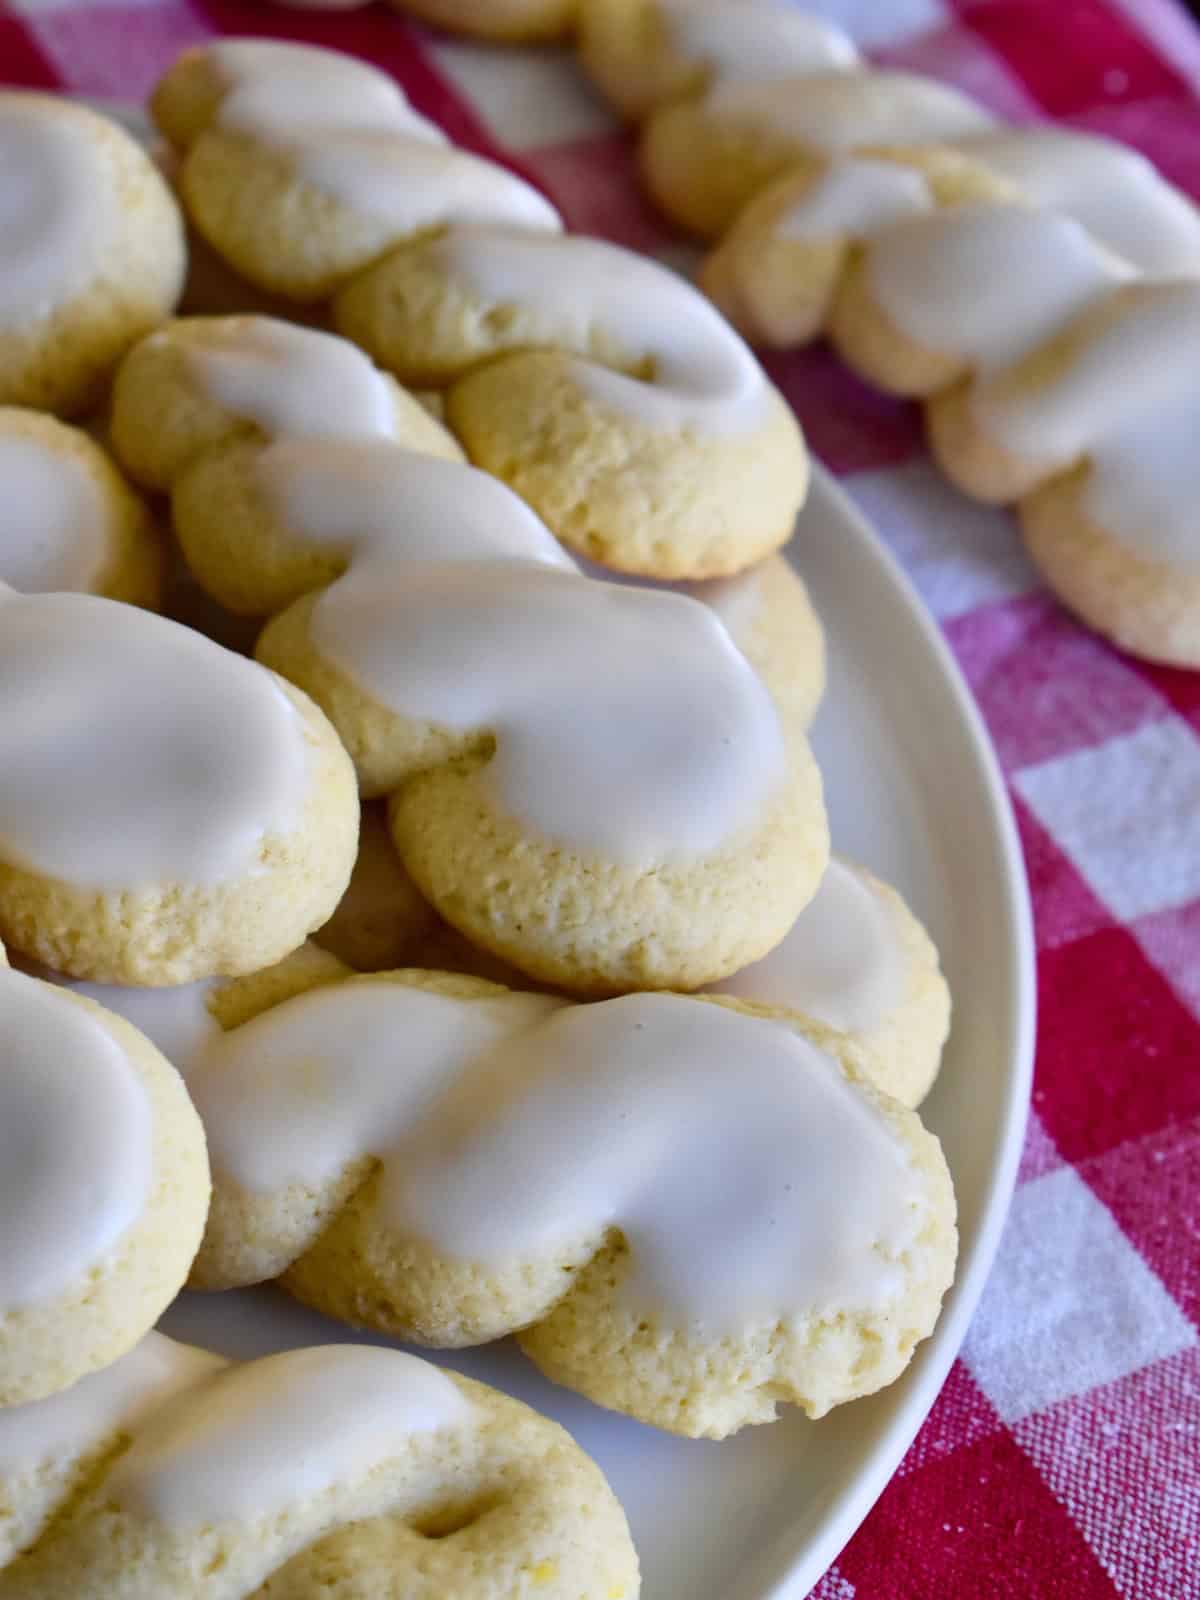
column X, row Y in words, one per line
column 784, row 1571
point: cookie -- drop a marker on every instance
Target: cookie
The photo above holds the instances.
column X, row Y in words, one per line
column 858, row 962
column 595, row 383
column 1104, row 473
column 505, row 21
column 104, row 1187
column 692, row 1210
column 642, row 54
column 418, row 601
column 335, row 1470
column 382, row 920
column 168, row 810
column 92, row 255
column 704, row 159
column 68, row 519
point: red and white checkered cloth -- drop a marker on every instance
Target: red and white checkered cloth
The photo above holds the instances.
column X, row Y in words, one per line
column 1062, row 1461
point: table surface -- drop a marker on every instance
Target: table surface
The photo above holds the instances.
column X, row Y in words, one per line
column 1062, row 1461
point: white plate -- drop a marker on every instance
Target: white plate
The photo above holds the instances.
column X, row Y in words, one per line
column 914, row 793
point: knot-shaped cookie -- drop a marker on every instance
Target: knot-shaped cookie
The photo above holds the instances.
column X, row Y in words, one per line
column 68, row 519
column 689, row 1211
column 1013, row 305
column 103, row 1189
column 168, row 810
column 586, row 778
column 174, row 1475
column 91, row 251
column 598, row 385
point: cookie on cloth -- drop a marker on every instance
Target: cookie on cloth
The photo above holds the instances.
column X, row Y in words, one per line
column 418, row 601
column 858, row 961
column 692, row 1209
column 597, row 384
column 91, row 253
column 168, row 810
column 68, row 519
column 337, row 1469
column 642, row 54
column 1105, row 473
column 104, row 1187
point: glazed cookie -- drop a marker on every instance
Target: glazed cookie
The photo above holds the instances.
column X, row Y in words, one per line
column 419, row 601
column 857, row 961
column 168, row 810
column 448, row 1161
column 597, row 384
column 68, row 519
column 91, row 256
column 104, row 1188
column 335, row 1470
column 642, row 54
column 1105, row 474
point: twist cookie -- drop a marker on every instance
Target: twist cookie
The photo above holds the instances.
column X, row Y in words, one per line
column 168, row 810
column 598, row 385
column 643, row 54
column 548, row 815
column 68, row 519
column 936, row 278
column 103, row 1188
column 691, row 1211
column 334, row 1471
column 91, row 251
column 857, row 961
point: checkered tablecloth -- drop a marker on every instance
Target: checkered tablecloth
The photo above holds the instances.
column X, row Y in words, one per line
column 1063, row 1457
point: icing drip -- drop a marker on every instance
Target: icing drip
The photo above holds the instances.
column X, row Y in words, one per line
column 275, row 1433
column 134, row 752
column 75, row 1143
column 702, row 373
column 52, row 530
column 843, row 962
column 750, row 1180
column 350, row 132
column 57, row 209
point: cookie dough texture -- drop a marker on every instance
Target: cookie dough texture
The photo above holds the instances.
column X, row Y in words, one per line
column 49, row 1345
column 493, row 1502
column 73, row 300
column 99, row 521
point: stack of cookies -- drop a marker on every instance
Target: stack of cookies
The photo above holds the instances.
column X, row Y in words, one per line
column 469, row 958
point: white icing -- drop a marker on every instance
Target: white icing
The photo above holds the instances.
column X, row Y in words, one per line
column 76, row 1140
column 263, row 1438
column 1127, row 402
column 57, row 208
column 52, row 519
column 68, row 1425
column 1112, row 190
column 351, row 132
column 843, row 962
column 842, row 110
column 292, row 380
column 856, row 197
column 374, row 1054
column 756, row 39
column 176, row 1020
column 987, row 282
column 455, row 598
column 703, row 375
column 135, row 753
column 748, row 1177
column 737, row 601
